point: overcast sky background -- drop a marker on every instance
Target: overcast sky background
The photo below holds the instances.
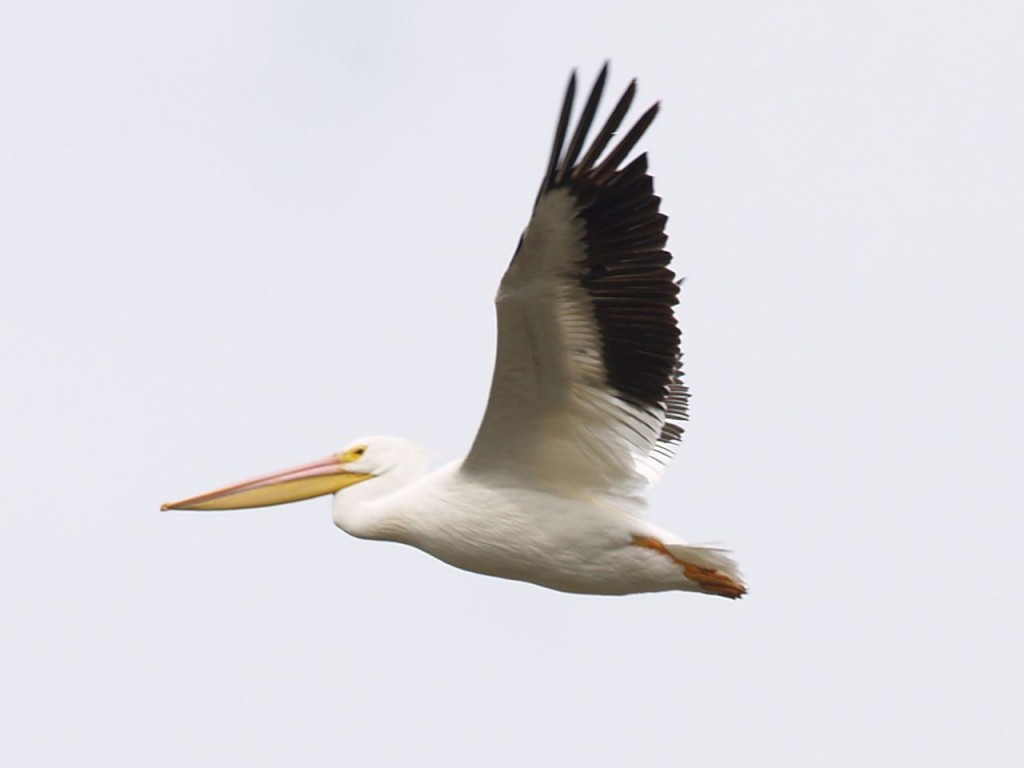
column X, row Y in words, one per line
column 236, row 235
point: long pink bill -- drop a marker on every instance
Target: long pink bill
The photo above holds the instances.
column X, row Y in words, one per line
column 317, row 478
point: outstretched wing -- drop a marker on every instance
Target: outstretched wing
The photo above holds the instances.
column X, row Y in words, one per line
column 586, row 390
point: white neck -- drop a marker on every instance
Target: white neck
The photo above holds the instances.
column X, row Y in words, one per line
column 372, row 509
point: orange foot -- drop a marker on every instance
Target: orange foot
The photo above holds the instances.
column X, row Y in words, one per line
column 711, row 581
column 715, row 582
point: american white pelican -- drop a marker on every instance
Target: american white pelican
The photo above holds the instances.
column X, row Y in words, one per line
column 585, row 407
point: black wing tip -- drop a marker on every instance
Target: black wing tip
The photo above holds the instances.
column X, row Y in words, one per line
column 625, row 267
column 560, row 131
column 564, row 166
column 567, row 161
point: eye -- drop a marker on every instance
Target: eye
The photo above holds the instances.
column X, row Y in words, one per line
column 357, row 452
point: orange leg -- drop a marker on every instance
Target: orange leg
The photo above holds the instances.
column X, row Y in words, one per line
column 710, row 580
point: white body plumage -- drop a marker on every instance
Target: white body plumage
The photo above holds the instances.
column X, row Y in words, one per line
column 560, row 538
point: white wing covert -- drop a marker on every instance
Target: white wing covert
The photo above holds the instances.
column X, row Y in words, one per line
column 587, row 387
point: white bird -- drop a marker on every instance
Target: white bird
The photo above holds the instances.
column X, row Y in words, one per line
column 584, row 410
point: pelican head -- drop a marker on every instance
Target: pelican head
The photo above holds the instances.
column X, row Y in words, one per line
column 363, row 459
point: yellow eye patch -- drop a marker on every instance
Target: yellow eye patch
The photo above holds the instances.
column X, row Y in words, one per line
column 352, row 454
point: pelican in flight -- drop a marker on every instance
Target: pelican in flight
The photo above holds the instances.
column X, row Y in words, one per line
column 585, row 407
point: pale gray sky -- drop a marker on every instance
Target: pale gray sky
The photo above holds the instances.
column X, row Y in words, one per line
column 237, row 234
